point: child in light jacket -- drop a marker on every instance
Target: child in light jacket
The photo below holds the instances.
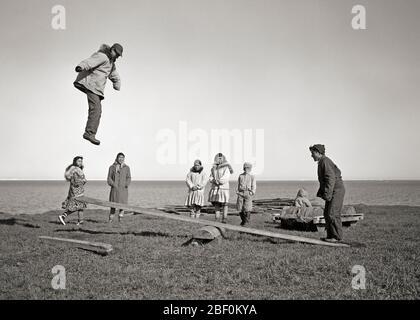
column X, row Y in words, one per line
column 302, row 199
column 219, row 191
column 247, row 186
column 196, row 181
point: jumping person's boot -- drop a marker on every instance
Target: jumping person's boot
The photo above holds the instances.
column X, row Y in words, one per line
column 91, row 138
column 217, row 215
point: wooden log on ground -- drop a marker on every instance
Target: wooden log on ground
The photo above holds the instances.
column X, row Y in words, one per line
column 209, row 233
column 257, row 232
column 99, row 247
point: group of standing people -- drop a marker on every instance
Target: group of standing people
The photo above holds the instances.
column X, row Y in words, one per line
column 331, row 189
column 219, row 193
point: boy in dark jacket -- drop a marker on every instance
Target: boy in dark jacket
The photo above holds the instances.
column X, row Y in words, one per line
column 331, row 189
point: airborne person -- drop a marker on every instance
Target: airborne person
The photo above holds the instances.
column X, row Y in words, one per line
column 91, row 79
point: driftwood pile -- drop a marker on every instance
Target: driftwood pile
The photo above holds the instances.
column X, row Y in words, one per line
column 282, row 211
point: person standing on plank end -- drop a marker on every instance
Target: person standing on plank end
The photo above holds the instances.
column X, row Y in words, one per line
column 74, row 174
column 91, row 79
column 119, row 178
column 331, row 189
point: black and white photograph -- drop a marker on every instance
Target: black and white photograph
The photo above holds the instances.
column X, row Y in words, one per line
column 223, row 151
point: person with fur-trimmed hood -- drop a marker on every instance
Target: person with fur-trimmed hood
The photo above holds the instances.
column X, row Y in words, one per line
column 74, row 174
column 219, row 191
column 91, row 79
column 196, row 181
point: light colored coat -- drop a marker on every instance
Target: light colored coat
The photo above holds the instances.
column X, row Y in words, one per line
column 246, row 183
column 95, row 70
column 199, row 180
column 119, row 180
column 219, row 180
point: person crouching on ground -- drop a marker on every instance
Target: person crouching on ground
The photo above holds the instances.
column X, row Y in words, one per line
column 196, row 182
column 302, row 199
column 245, row 190
column 74, row 174
column 331, row 189
column 219, row 191
column 119, row 178
column 91, row 79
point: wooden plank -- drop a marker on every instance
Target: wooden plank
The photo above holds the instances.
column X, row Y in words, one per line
column 351, row 219
column 99, row 247
column 160, row 214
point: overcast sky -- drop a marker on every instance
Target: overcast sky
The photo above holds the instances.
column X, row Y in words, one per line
column 293, row 71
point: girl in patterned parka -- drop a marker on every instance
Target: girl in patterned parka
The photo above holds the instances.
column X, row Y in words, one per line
column 74, row 174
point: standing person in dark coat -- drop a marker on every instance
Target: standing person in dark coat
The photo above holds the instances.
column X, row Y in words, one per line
column 331, row 189
column 91, row 79
column 119, row 178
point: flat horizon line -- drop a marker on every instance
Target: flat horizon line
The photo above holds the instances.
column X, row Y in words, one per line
column 176, row 180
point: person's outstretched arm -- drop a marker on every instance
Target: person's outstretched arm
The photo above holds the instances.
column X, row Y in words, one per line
column 92, row 62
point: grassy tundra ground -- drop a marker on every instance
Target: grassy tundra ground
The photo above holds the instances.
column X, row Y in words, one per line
column 149, row 261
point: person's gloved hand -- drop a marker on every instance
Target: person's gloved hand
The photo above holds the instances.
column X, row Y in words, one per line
column 78, row 68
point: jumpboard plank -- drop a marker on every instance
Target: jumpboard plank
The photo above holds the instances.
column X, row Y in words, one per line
column 257, row 232
column 102, row 248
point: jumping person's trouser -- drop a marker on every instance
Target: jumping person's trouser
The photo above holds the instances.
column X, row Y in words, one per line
column 332, row 213
column 95, row 111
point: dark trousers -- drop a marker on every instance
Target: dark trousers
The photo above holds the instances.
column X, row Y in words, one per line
column 332, row 213
column 95, row 111
column 245, row 216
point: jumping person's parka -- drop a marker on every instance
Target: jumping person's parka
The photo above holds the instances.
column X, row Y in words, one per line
column 95, row 71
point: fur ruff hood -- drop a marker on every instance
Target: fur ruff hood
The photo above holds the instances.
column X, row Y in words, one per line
column 222, row 165
column 104, row 48
column 68, row 174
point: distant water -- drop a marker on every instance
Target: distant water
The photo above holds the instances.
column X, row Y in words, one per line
column 40, row 196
